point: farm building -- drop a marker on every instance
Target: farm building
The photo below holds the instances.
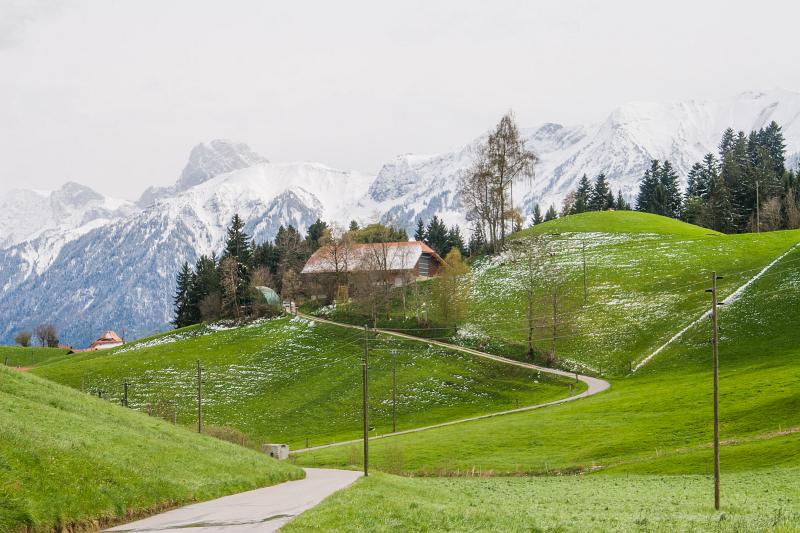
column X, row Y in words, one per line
column 107, row 340
column 335, row 268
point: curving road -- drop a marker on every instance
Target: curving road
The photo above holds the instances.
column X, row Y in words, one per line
column 593, row 385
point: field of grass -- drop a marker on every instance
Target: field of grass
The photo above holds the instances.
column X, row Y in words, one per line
column 645, row 278
column 289, row 379
column 68, row 460
column 17, row 356
column 662, row 410
column 635, row 458
column 764, row 500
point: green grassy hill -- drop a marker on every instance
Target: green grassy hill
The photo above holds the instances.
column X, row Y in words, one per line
column 644, row 446
column 71, row 462
column 644, row 279
column 17, row 356
column 289, row 379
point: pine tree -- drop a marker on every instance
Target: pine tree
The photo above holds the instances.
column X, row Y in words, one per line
column 239, row 248
column 672, row 193
column 181, row 302
column 721, row 210
column 477, row 241
column 598, row 199
column 582, row 195
column 314, row 235
column 205, row 285
column 551, row 213
column 537, row 215
column 419, row 233
column 620, row 204
column 353, row 226
column 437, row 236
column 646, row 199
column 456, row 240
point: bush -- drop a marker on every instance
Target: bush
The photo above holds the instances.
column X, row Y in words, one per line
column 23, row 338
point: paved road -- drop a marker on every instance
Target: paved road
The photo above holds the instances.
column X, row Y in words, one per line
column 261, row 510
column 593, row 385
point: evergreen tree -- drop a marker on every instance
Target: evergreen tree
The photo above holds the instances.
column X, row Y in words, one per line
column 353, row 226
column 267, row 255
column 582, row 195
column 456, row 240
column 314, row 235
column 239, row 248
column 620, row 204
column 477, row 241
column 721, row 216
column 598, row 199
column 646, row 199
column 419, row 233
column 181, row 302
column 672, row 193
column 551, row 213
column 205, row 284
column 537, row 215
column 437, row 236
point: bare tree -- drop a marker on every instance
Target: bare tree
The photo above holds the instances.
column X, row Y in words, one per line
column 290, row 285
column 47, row 334
column 487, row 187
column 790, row 206
column 229, row 280
column 531, row 255
column 23, row 338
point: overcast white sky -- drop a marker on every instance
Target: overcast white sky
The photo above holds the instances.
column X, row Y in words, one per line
column 113, row 94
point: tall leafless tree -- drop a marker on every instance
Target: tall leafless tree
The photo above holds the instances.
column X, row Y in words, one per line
column 487, row 189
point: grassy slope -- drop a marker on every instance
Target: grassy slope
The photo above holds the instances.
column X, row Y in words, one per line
column 67, row 459
column 286, row 380
column 663, row 410
column 33, row 355
column 590, row 503
column 642, row 287
column 643, row 272
column 649, row 436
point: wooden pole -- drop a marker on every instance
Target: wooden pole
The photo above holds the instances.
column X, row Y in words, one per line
column 585, row 287
column 715, row 353
column 125, row 394
column 394, row 391
column 365, row 378
column 199, row 398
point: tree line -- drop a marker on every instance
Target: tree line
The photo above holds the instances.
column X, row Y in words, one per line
column 744, row 187
column 46, row 335
column 224, row 286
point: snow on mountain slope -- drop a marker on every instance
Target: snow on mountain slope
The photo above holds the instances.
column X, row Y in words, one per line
column 206, row 161
column 89, row 263
column 121, row 275
column 27, row 214
column 622, row 146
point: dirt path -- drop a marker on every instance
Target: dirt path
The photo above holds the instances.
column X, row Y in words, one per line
column 593, row 385
column 261, row 510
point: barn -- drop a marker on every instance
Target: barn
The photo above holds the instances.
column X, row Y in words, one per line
column 395, row 263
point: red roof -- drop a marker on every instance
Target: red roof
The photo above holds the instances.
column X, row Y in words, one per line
column 399, row 255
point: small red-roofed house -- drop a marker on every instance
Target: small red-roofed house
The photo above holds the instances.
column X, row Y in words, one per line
column 107, row 340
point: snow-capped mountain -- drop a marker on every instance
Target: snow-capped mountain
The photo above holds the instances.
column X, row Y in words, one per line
column 622, row 146
column 89, row 263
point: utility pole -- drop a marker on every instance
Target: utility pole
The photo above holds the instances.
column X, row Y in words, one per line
column 715, row 355
column 365, row 378
column 199, row 398
column 758, row 211
column 585, row 289
column 394, row 391
column 125, row 394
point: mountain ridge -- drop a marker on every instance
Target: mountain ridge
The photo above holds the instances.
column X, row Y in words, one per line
column 89, row 262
